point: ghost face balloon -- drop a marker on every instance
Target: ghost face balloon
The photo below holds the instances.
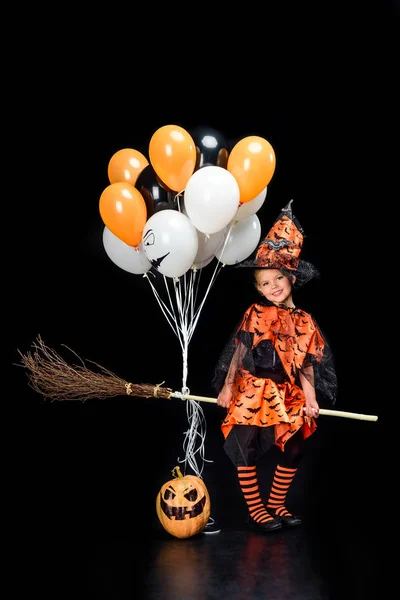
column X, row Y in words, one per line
column 170, row 242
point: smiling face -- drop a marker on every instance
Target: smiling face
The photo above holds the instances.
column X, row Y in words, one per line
column 275, row 286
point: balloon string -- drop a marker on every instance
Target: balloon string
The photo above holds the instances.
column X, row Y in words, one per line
column 182, row 316
column 166, row 312
column 177, row 199
column 194, row 439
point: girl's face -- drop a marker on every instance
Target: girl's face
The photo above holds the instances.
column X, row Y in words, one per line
column 274, row 286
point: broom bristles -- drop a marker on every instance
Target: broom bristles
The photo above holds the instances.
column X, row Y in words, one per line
column 55, row 379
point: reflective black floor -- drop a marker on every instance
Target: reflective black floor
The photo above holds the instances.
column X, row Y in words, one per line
column 324, row 559
column 235, row 563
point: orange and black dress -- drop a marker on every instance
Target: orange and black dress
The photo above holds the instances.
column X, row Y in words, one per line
column 262, row 363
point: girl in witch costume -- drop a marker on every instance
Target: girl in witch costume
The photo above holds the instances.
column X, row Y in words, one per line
column 272, row 375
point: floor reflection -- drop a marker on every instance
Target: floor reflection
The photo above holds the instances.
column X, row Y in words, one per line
column 239, row 563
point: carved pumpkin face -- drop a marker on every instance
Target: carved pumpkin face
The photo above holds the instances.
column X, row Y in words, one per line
column 183, row 505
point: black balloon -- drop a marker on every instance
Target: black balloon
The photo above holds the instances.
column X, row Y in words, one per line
column 211, row 147
column 156, row 194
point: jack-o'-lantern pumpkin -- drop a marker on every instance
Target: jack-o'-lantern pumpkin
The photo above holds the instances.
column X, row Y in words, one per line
column 183, row 505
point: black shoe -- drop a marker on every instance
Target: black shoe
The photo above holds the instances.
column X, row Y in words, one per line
column 273, row 525
column 211, row 527
column 288, row 520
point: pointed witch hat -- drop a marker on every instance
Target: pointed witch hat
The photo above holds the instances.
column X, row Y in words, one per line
column 281, row 249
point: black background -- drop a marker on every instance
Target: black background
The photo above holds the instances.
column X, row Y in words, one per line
column 92, row 470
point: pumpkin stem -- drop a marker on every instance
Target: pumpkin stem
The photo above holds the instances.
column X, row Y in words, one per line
column 176, row 472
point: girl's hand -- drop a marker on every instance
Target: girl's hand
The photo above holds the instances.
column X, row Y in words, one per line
column 225, row 397
column 311, row 409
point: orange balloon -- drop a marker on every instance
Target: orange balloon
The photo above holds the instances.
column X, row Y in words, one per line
column 126, row 165
column 172, row 153
column 123, row 210
column 252, row 163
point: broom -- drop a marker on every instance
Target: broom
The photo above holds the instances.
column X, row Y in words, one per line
column 55, row 379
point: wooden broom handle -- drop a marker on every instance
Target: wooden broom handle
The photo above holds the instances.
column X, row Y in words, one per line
column 322, row 411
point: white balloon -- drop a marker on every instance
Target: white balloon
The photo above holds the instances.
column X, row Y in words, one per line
column 203, row 263
column 208, row 244
column 242, row 240
column 250, row 208
column 170, row 242
column 212, row 199
column 126, row 257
